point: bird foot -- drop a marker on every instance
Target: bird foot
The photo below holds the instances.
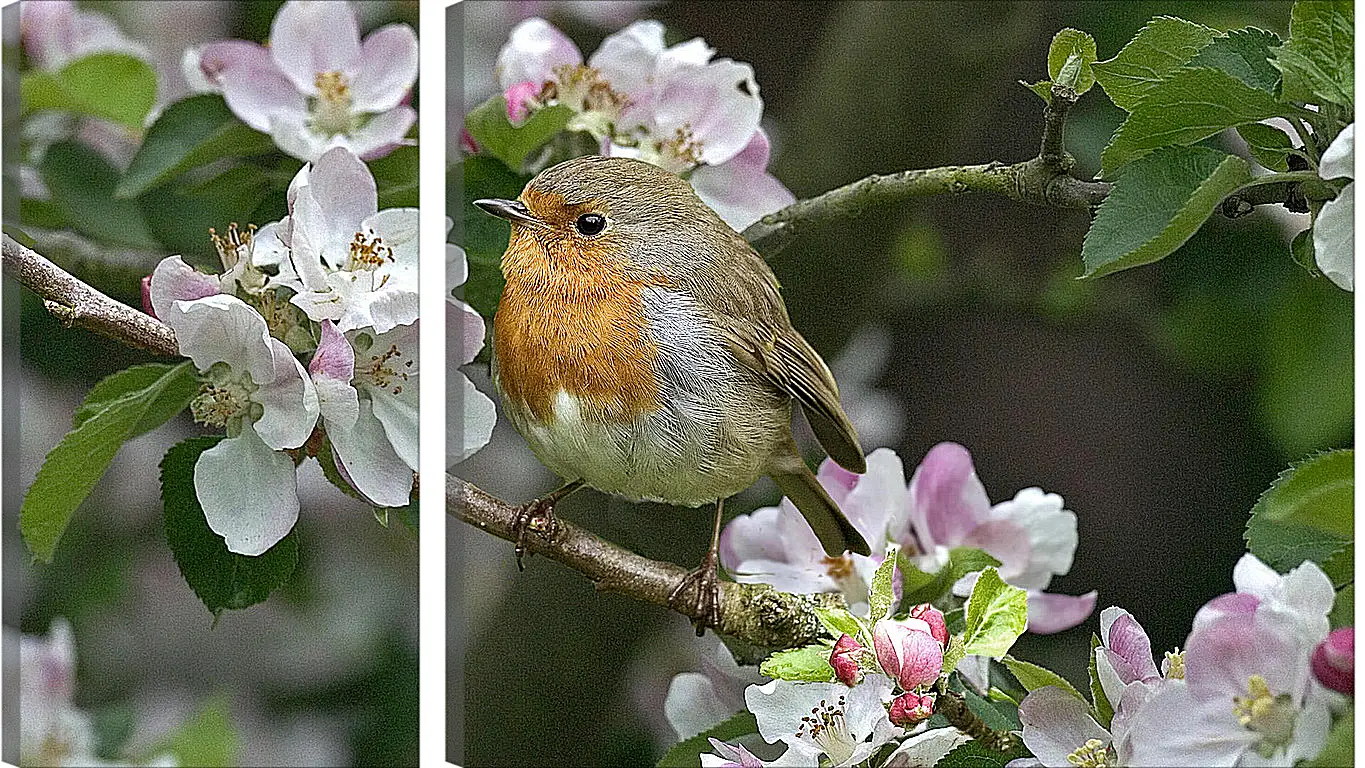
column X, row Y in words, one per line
column 698, row 594
column 536, row 516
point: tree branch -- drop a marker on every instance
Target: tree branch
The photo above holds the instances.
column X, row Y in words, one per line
column 77, row 304
column 756, row 614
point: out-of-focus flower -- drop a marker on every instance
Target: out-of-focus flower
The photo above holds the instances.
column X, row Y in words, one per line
column 844, row 659
column 1334, row 228
column 1061, row 733
column 475, row 414
column 256, row 390
column 1248, row 697
column 669, row 105
column 1031, row 535
column 910, row 708
column 725, row 755
column 823, row 723
column 908, row 652
column 348, row 261
column 1304, row 595
column 1334, row 661
column 56, row 33
column 317, row 85
column 774, row 545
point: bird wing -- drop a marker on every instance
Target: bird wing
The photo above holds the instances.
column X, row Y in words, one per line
column 748, row 309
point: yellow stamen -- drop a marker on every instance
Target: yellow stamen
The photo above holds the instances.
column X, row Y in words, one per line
column 1092, row 754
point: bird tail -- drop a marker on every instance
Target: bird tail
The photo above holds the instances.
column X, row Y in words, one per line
column 832, row 528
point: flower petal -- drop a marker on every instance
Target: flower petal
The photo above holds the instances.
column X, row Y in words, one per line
column 398, row 413
column 253, row 85
column 222, row 328
column 288, row 399
column 370, row 461
column 389, row 67
column 309, row 37
column 248, row 492
column 737, row 193
column 1056, row 724
column 1048, row 612
column 1334, row 239
column 173, row 280
column 340, row 194
column 718, row 103
column 534, row 48
column 1339, row 159
column 1051, row 535
column 946, row 498
column 382, row 133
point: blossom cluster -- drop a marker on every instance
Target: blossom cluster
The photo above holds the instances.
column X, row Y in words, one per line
column 675, row 106
column 335, row 280
column 943, row 507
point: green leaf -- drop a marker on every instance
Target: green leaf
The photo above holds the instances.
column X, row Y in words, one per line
column 1303, row 253
column 82, row 184
column 1318, row 62
column 1000, row 716
column 327, row 460
column 806, row 665
column 395, row 175
column 1157, row 204
column 110, row 86
column 920, row 587
column 206, row 740
column 1158, row 49
column 996, row 615
column 1066, row 44
column 1244, row 54
column 687, row 753
column 1269, row 145
column 1341, row 740
column 173, row 399
column 1307, row 514
column 1343, row 608
column 974, row 754
column 839, row 621
column 72, row 468
column 1032, row 676
column 1043, row 88
column 1189, row 106
column 485, row 236
column 953, row 654
column 496, row 135
column 1104, row 711
column 881, row 598
column 190, row 133
column 220, row 578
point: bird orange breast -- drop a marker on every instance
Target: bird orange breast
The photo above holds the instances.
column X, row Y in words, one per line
column 569, row 322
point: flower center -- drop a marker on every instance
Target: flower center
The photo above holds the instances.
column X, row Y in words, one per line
column 220, row 400
column 368, row 253
column 582, row 88
column 332, row 107
column 1265, row 713
column 683, row 151
column 234, row 247
column 1092, row 754
column 1175, row 665
column 386, row 371
column 826, row 726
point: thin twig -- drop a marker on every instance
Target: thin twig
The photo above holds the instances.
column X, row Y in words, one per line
column 77, row 304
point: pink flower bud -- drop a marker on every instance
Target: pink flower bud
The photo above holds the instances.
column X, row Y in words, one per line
column 1334, row 661
column 147, row 296
column 908, row 709
column 844, row 659
column 521, row 97
column 907, row 651
column 932, row 616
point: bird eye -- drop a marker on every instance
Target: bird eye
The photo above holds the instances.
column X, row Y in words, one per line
column 591, row 224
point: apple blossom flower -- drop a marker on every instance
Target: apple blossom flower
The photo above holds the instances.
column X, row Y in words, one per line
column 1124, row 655
column 1334, row 661
column 725, row 755
column 57, row 32
column 347, row 261
column 774, row 545
column 473, row 413
column 367, row 432
column 700, row 700
column 1304, row 595
column 1061, row 733
column 910, row 708
column 908, row 652
column 317, row 85
column 844, row 659
column 672, row 106
column 1031, row 535
column 824, row 723
column 1334, row 227
column 1248, row 697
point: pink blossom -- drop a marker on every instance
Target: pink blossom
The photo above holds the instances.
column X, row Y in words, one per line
column 938, row 626
column 844, row 659
column 908, row 652
column 910, row 709
column 1334, row 661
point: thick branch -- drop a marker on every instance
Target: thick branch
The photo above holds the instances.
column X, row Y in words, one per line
column 77, row 304
column 756, row 614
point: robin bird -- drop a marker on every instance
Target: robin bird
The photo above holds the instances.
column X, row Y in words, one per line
column 642, row 348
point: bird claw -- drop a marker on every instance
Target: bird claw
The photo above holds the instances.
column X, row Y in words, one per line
column 536, row 516
column 698, row 595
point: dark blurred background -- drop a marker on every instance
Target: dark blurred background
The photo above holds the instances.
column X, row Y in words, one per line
column 324, row 673
column 1158, row 402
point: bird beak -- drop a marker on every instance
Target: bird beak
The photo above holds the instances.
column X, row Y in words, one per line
column 512, row 210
